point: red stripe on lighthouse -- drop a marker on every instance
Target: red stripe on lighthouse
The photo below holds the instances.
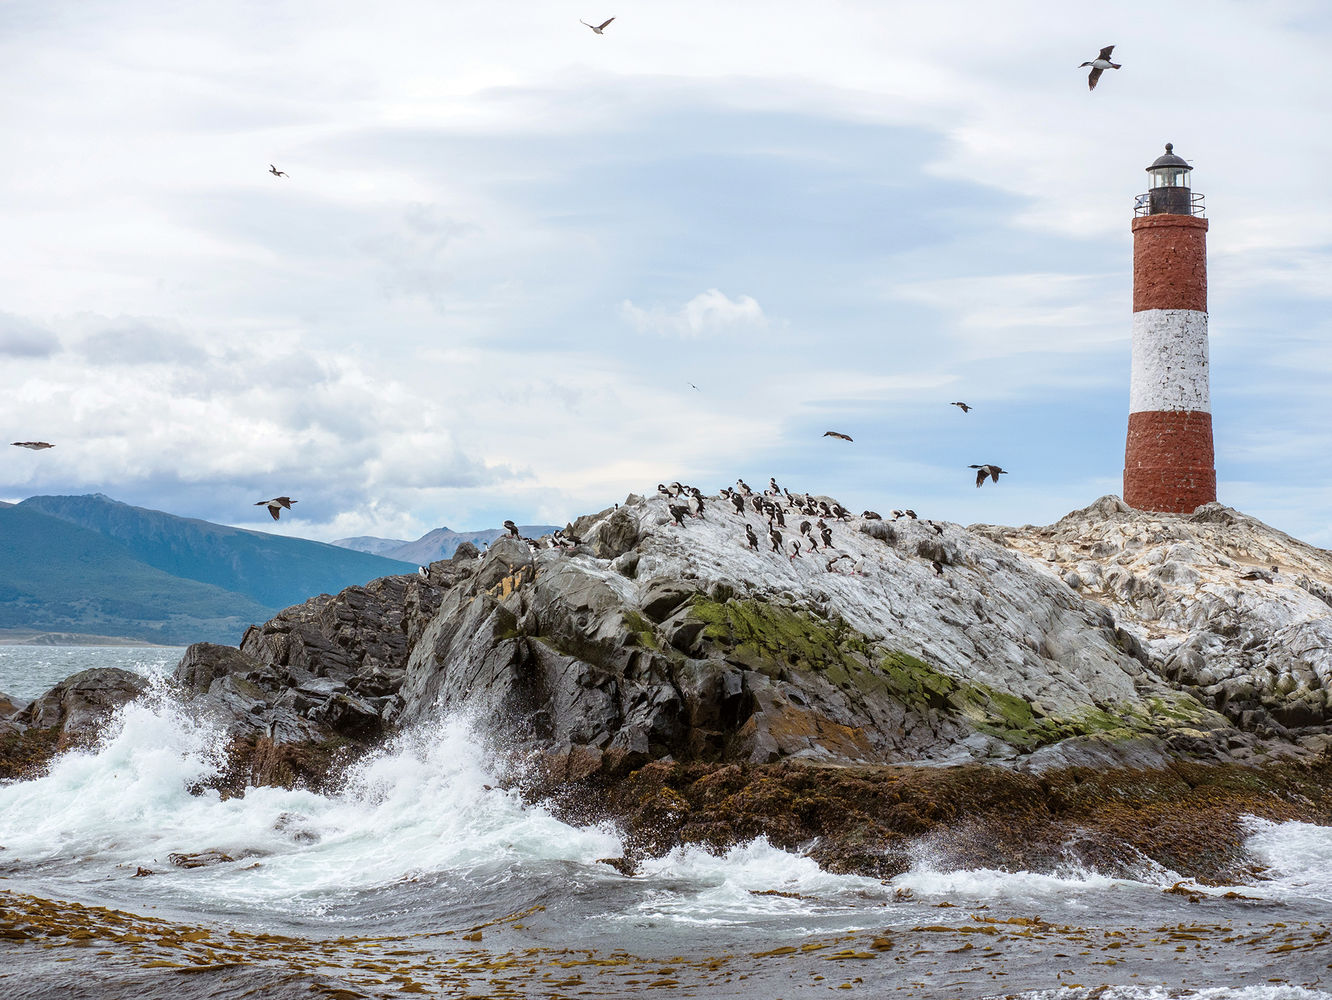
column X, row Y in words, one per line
column 1168, row 461
column 1169, row 262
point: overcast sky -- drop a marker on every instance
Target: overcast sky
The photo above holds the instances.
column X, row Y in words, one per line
column 508, row 245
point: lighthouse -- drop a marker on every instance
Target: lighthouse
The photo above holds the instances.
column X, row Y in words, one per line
column 1169, row 464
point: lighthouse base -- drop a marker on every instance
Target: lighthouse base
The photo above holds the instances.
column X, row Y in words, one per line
column 1169, row 464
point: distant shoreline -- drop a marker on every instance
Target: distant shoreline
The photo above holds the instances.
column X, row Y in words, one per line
column 30, row 637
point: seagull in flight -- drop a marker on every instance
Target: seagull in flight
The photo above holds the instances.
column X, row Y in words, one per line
column 33, row 445
column 600, row 29
column 993, row 471
column 1099, row 65
column 961, row 406
column 276, row 172
column 694, row 387
column 836, row 434
column 276, row 505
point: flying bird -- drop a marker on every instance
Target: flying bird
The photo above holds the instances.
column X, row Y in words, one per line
column 1099, row 65
column 691, row 384
column 601, row 28
column 836, row 434
column 961, row 406
column 276, row 172
column 993, row 471
column 33, row 445
column 276, row 505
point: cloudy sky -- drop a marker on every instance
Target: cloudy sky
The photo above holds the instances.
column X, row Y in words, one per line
column 508, row 246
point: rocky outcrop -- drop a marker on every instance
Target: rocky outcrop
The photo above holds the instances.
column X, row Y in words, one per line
column 1223, row 608
column 323, row 669
column 78, row 706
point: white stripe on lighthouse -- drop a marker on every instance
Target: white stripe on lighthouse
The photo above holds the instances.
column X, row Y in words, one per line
column 1169, row 361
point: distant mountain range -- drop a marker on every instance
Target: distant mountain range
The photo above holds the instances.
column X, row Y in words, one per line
column 93, row 565
column 438, row 544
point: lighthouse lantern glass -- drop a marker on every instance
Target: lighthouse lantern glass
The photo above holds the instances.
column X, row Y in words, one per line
column 1170, row 176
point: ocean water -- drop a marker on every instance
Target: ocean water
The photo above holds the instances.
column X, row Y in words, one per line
column 422, row 875
column 29, row 671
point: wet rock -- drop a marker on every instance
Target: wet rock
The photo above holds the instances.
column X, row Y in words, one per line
column 201, row 859
column 79, row 705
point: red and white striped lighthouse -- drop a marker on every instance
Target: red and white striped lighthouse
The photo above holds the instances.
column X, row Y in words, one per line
column 1169, row 464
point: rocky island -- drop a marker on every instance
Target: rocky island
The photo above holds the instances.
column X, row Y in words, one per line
column 1115, row 687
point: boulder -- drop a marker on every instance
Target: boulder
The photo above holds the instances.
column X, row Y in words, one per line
column 79, row 705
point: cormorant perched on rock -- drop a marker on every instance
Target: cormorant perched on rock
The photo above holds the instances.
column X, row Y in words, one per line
column 805, row 527
column 938, row 567
column 1099, row 65
column 826, row 533
column 775, row 537
column 600, row 29
column 773, row 489
column 661, row 488
column 993, row 471
column 897, row 514
column 423, row 573
column 795, row 550
column 512, row 529
column 743, row 487
column 937, row 530
column 910, row 513
column 678, row 513
column 676, row 489
column 753, row 538
column 838, row 435
column 777, row 513
column 33, row 445
column 870, row 515
column 738, row 502
column 277, row 505
column 695, row 503
column 961, row 406
column 757, row 502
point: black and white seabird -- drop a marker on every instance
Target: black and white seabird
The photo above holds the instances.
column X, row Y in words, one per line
column 993, row 471
column 695, row 503
column 870, row 515
column 678, row 513
column 276, row 505
column 661, row 488
column 795, row 550
column 961, row 406
column 1099, row 65
column 1258, row 574
column 837, row 434
column 805, row 527
column 938, row 567
column 512, row 528
column 738, row 502
column 937, row 530
column 276, row 172
column 826, row 534
column 601, row 28
column 775, row 537
column 910, row 513
column 753, row 538
column 743, row 487
column 423, row 573
column 773, row 489
column 33, row 445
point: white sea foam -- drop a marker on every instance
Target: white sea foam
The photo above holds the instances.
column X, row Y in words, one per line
column 692, row 885
column 419, row 805
column 1298, row 857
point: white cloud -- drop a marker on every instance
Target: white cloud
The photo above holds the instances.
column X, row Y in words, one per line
column 707, row 314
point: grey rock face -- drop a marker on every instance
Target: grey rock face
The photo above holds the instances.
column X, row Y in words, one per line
column 82, row 703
